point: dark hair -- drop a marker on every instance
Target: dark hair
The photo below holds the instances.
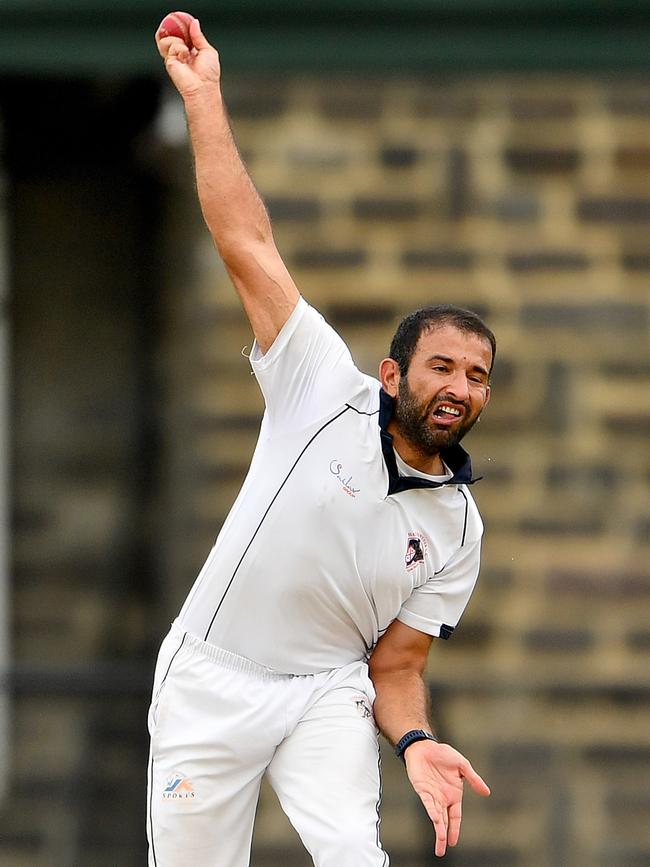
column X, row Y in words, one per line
column 412, row 326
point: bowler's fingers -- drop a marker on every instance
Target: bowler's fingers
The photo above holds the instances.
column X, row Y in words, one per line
column 439, row 819
column 172, row 47
column 453, row 827
column 442, row 832
column 476, row 782
column 196, row 35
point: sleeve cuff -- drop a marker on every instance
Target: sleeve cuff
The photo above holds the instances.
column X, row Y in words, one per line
column 259, row 360
column 429, row 627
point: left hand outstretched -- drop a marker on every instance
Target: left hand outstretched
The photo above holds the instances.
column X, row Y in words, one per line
column 437, row 772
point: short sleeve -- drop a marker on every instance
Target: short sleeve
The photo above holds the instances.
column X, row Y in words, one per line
column 307, row 372
column 436, row 607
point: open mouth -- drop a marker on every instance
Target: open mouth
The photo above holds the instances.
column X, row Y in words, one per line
column 447, row 413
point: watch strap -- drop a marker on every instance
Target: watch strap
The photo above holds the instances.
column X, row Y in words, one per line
column 410, row 738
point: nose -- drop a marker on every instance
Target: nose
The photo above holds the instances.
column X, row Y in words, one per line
column 458, row 387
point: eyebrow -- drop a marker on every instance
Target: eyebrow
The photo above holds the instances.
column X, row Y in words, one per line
column 437, row 356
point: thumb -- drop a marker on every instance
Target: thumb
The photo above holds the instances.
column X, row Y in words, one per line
column 196, row 34
column 476, row 782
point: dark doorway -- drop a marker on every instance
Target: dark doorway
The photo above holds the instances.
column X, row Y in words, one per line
column 83, row 214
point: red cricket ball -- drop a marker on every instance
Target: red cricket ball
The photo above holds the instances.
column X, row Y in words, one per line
column 177, row 24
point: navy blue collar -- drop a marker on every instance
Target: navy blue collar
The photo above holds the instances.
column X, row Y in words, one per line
column 455, row 457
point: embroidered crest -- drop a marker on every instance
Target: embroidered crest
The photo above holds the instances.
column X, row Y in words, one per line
column 363, row 706
column 415, row 550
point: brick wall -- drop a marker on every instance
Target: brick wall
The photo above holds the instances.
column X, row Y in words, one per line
column 528, row 200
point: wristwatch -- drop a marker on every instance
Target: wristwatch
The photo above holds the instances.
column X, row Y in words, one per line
column 410, row 738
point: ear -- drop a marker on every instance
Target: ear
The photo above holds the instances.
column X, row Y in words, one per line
column 390, row 376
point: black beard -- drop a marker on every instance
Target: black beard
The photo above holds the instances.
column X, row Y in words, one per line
column 413, row 420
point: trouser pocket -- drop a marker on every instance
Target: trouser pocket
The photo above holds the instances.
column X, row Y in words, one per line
column 170, row 647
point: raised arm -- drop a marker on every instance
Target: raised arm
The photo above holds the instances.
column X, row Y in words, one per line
column 436, row 771
column 232, row 207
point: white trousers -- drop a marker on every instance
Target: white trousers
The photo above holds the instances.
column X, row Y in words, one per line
column 219, row 722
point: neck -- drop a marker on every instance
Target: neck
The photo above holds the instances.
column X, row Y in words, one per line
column 432, row 465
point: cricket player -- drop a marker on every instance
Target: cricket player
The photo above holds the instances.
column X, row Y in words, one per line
column 353, row 542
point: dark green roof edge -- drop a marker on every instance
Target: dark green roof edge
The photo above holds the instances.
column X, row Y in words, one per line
column 468, row 10
column 86, row 38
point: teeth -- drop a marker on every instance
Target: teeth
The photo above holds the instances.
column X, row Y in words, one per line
column 451, row 410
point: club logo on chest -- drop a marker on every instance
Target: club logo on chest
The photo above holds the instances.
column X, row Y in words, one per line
column 416, row 548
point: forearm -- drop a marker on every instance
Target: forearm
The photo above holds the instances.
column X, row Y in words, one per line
column 232, row 207
column 401, row 703
column 436, row 771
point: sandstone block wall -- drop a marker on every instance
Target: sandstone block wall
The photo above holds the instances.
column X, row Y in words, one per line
column 529, row 201
column 134, row 416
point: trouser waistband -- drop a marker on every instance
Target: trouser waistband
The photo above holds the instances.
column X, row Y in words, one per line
column 226, row 658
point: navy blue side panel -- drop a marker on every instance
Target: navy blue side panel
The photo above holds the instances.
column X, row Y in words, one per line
column 153, row 848
column 462, row 541
column 379, row 846
column 446, row 631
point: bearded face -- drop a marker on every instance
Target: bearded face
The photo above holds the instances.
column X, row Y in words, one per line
column 435, row 424
column 444, row 391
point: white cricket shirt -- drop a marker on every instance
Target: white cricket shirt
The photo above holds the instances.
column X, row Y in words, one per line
column 327, row 543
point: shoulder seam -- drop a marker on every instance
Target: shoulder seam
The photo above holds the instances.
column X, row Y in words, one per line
column 361, row 411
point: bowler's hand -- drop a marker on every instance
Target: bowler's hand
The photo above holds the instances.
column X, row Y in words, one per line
column 190, row 68
column 437, row 773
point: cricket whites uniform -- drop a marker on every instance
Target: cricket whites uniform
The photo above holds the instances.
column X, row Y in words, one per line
column 331, row 538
